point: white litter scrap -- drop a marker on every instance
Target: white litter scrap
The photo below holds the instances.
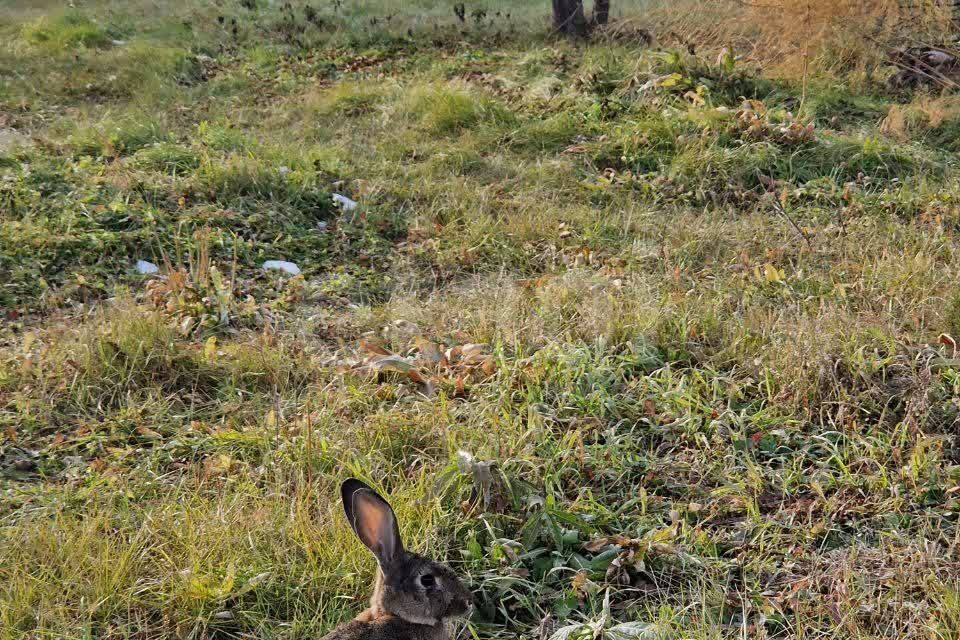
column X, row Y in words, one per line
column 145, row 267
column 344, row 202
column 281, row 265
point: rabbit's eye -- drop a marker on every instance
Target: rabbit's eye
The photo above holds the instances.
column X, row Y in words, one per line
column 427, row 581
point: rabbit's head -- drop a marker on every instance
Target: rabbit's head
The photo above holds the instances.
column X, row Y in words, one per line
column 408, row 586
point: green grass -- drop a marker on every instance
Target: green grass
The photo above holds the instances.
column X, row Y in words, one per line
column 717, row 377
column 67, row 31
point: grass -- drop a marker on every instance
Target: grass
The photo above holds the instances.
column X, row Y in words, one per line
column 699, row 314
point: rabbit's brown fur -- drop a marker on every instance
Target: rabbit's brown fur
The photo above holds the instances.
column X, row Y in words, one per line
column 414, row 598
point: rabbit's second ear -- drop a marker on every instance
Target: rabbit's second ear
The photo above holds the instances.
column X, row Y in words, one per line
column 372, row 520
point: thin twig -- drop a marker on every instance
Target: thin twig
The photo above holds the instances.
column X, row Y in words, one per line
column 782, row 211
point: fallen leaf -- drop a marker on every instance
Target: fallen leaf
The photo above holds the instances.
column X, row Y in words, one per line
column 406, row 326
column 429, row 351
column 147, row 432
column 649, row 408
column 210, row 348
column 389, row 363
column 771, row 273
column 473, row 354
column 217, row 465
column 416, row 376
column 186, row 325
column 596, row 544
column 373, row 347
column 948, row 340
column 489, row 367
column 635, row 630
column 695, row 98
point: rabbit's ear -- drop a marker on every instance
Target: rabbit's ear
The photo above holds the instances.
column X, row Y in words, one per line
column 372, row 520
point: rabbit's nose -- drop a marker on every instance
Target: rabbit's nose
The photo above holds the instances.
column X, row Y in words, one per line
column 463, row 605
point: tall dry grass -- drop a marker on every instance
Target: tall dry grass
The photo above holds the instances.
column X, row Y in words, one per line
column 793, row 37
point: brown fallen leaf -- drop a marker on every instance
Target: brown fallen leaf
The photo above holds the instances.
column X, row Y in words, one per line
column 373, row 347
column 416, row 376
column 596, row 544
column 473, row 354
column 453, row 354
column 430, row 352
column 489, row 367
column 947, row 340
column 147, row 432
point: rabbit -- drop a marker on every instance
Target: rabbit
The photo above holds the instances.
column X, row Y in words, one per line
column 414, row 598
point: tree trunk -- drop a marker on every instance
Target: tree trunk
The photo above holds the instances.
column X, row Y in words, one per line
column 601, row 11
column 560, row 15
column 568, row 17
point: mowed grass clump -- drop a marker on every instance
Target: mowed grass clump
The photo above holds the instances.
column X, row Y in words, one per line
column 648, row 340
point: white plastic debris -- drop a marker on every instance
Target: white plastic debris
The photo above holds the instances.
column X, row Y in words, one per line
column 344, row 202
column 281, row 265
column 936, row 57
column 146, row 267
column 322, row 225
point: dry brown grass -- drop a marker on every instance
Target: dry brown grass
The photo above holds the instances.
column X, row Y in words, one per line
column 794, row 36
column 919, row 116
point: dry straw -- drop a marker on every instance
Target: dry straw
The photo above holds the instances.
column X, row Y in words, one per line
column 794, row 35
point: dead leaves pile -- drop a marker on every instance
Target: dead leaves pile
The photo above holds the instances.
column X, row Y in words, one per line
column 632, row 553
column 756, row 123
column 428, row 364
column 178, row 296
